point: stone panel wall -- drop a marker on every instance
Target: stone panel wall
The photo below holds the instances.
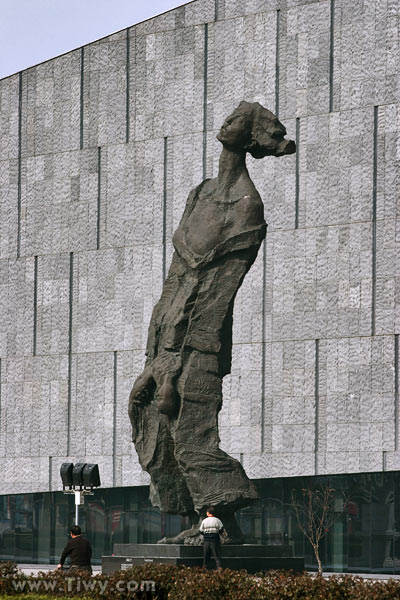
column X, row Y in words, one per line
column 99, row 149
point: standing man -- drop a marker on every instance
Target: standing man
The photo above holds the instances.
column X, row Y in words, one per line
column 210, row 528
column 80, row 550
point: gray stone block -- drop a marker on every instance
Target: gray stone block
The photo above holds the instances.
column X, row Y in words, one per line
column 318, row 278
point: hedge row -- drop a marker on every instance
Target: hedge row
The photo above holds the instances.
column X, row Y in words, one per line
column 36, row 597
column 166, row 582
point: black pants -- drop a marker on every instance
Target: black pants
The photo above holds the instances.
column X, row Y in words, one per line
column 212, row 547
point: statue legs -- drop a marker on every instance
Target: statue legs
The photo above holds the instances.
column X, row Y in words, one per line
column 188, row 470
column 212, row 476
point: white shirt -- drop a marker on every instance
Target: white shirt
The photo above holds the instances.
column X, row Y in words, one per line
column 211, row 525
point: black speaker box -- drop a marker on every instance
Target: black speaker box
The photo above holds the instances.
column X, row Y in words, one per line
column 77, row 474
column 91, row 476
column 66, row 474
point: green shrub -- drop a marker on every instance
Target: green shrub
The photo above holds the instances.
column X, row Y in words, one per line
column 8, row 568
column 39, row 597
column 186, row 583
column 8, row 572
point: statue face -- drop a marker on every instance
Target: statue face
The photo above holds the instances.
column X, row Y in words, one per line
column 273, row 139
column 253, row 128
column 269, row 133
column 235, row 131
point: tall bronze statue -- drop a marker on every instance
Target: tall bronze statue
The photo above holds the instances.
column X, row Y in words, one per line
column 174, row 403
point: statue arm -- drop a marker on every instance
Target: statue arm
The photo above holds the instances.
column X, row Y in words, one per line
column 151, row 376
column 170, row 287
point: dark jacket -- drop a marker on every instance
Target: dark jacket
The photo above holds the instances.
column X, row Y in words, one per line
column 80, row 551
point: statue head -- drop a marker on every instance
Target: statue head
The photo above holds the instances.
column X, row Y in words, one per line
column 255, row 129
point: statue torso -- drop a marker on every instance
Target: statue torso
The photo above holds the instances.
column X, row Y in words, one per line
column 210, row 223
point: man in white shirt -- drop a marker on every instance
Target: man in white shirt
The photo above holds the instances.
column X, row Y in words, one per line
column 210, row 528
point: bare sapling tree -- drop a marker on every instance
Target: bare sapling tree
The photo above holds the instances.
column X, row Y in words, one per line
column 315, row 513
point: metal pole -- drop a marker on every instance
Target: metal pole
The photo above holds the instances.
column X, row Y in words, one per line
column 77, row 503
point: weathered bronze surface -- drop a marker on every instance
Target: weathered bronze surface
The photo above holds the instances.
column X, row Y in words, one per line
column 174, row 403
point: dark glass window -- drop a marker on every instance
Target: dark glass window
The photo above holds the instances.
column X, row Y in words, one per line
column 365, row 537
column 359, row 523
column 382, row 522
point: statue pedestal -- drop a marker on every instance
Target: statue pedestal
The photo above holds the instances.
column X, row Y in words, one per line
column 250, row 557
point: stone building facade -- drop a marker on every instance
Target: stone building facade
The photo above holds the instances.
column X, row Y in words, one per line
column 99, row 149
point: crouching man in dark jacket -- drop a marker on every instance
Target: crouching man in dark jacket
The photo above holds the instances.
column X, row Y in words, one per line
column 210, row 528
column 79, row 549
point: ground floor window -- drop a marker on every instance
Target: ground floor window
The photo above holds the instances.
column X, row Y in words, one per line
column 365, row 537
